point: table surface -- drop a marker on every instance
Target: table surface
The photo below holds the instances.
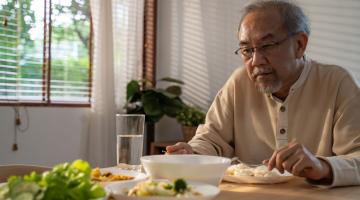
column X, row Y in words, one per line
column 295, row 189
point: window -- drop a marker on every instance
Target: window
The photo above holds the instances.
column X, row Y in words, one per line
column 45, row 52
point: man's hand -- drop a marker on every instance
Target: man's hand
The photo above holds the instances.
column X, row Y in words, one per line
column 179, row 148
column 299, row 161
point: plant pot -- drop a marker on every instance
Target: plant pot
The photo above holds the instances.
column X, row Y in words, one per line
column 188, row 132
column 149, row 137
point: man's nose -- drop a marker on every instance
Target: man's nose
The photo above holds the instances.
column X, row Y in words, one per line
column 258, row 58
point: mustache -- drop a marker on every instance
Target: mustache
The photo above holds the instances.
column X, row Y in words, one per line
column 260, row 71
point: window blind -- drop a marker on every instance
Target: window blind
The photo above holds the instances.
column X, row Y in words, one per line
column 198, row 38
column 20, row 69
column 45, row 52
column 70, row 50
column 335, row 37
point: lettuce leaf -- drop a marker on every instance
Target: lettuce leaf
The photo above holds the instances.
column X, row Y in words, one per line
column 64, row 182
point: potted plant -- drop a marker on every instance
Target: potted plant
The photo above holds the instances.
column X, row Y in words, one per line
column 190, row 117
column 154, row 103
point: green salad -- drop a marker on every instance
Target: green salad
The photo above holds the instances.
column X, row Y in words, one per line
column 64, row 182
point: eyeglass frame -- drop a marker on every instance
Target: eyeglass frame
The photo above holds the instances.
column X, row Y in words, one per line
column 262, row 47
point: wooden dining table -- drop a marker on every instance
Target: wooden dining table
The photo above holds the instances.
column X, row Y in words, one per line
column 295, row 189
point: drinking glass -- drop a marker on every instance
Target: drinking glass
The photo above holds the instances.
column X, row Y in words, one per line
column 130, row 139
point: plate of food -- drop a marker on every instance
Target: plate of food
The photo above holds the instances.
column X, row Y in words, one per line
column 160, row 189
column 112, row 174
column 241, row 173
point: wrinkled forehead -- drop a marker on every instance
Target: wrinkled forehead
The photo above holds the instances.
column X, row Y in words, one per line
column 260, row 25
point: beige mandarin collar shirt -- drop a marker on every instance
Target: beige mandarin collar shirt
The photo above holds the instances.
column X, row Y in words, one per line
column 322, row 112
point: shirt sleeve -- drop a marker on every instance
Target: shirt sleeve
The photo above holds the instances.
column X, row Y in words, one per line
column 345, row 164
column 215, row 137
column 345, row 171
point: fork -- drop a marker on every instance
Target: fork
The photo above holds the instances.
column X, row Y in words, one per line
column 236, row 160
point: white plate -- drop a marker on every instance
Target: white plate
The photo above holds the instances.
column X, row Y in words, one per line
column 207, row 191
column 138, row 176
column 259, row 179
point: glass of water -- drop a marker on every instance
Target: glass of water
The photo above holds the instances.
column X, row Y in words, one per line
column 130, row 139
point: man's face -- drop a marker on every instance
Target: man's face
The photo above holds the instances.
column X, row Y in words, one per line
column 271, row 66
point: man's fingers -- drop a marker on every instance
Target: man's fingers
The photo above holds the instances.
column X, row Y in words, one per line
column 299, row 168
column 272, row 160
column 180, row 151
column 299, row 161
column 265, row 162
column 290, row 162
column 280, row 155
column 179, row 148
column 172, row 148
column 175, row 147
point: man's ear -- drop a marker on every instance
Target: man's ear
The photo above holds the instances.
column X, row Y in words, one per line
column 301, row 44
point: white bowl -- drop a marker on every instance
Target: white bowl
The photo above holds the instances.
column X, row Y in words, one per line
column 191, row 167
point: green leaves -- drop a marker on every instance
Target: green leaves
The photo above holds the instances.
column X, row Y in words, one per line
column 174, row 90
column 190, row 116
column 169, row 79
column 154, row 103
column 65, row 182
column 132, row 88
column 23, row 189
column 172, row 106
column 82, row 166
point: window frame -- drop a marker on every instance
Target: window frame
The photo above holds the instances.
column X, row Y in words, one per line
column 46, row 68
column 149, row 59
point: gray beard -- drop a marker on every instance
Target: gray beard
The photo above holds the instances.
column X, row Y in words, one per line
column 270, row 89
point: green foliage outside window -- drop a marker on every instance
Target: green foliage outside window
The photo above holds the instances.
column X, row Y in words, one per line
column 22, row 48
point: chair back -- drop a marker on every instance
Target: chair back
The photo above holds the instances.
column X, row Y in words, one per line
column 19, row 170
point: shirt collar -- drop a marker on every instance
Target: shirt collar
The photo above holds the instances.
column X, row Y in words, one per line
column 304, row 74
column 301, row 80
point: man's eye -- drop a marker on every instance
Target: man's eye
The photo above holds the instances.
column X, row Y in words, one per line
column 267, row 46
column 246, row 50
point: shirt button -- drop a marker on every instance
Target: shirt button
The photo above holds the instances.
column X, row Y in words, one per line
column 282, row 131
column 282, row 108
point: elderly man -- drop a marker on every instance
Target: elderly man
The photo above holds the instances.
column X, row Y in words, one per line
column 283, row 109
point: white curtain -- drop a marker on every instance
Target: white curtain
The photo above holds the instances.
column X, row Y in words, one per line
column 117, row 58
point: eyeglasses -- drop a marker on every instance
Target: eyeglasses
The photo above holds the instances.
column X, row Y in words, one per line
column 265, row 49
